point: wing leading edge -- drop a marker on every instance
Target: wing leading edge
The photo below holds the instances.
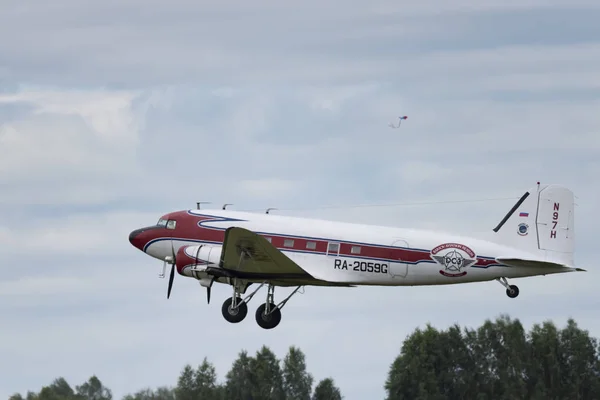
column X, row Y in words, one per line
column 251, row 256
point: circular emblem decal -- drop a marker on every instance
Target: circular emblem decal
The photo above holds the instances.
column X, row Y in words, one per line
column 523, row 229
column 454, row 257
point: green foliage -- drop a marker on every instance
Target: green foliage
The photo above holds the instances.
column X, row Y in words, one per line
column 162, row 393
column 93, row 389
column 261, row 377
column 200, row 383
column 297, row 381
column 326, row 390
column 240, row 379
column 268, row 380
column 498, row 360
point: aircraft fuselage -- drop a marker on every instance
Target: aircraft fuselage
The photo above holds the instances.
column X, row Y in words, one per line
column 356, row 254
column 536, row 237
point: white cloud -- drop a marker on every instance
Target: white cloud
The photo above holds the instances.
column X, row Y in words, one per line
column 114, row 113
column 108, row 113
column 75, row 134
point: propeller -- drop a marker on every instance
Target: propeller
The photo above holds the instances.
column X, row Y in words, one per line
column 171, row 277
column 172, row 259
column 206, row 282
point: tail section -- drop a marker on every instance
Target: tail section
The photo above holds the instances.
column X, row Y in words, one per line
column 542, row 223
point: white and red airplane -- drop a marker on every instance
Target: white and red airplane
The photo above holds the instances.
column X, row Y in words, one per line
column 536, row 237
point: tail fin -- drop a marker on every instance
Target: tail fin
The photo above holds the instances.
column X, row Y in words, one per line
column 542, row 223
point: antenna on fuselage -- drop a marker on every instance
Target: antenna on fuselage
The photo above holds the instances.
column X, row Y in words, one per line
column 226, row 204
column 201, row 202
column 269, row 209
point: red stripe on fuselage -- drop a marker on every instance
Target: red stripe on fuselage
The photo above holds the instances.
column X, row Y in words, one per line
column 188, row 227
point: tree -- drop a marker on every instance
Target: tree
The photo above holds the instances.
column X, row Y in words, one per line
column 205, row 382
column 567, row 363
column 93, row 389
column 501, row 349
column 240, row 380
column 498, row 360
column 297, row 382
column 59, row 389
column 198, row 384
column 419, row 371
column 162, row 393
column 581, row 358
column 268, row 379
column 326, row 390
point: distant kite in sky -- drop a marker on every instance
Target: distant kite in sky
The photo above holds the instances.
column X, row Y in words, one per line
column 399, row 122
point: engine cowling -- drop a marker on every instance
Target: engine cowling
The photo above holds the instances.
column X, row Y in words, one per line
column 190, row 259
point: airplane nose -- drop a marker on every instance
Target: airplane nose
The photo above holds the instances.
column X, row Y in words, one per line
column 134, row 238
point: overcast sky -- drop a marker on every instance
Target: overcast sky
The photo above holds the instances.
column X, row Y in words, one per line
column 113, row 113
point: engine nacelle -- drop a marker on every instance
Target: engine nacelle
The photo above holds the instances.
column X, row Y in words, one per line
column 192, row 261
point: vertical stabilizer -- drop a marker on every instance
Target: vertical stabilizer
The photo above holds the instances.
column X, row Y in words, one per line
column 542, row 223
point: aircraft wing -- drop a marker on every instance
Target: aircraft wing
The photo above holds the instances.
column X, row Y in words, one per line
column 251, row 256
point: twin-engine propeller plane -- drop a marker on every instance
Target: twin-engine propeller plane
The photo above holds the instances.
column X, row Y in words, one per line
column 536, row 237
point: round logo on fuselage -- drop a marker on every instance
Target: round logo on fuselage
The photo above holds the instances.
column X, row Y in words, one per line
column 454, row 257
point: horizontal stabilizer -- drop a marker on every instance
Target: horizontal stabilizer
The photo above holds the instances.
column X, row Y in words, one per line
column 522, row 262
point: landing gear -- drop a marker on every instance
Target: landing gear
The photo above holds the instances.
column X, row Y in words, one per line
column 268, row 315
column 235, row 308
column 512, row 291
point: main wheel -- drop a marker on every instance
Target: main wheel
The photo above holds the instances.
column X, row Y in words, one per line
column 234, row 315
column 512, row 291
column 268, row 321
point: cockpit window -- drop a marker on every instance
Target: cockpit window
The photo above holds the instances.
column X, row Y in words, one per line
column 171, row 224
column 162, row 222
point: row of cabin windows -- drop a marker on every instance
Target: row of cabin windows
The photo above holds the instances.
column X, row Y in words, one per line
column 332, row 248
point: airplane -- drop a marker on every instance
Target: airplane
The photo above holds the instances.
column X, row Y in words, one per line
column 536, row 237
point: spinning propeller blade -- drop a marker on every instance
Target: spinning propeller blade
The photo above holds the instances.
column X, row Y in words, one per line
column 171, row 280
column 173, row 260
column 172, row 276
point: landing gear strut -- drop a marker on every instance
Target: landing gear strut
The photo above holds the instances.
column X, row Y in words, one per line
column 268, row 315
column 512, row 291
column 235, row 308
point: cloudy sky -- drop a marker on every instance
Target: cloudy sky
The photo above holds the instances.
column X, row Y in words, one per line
column 113, row 113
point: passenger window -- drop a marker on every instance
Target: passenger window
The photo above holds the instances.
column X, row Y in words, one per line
column 355, row 250
column 333, row 248
column 171, row 224
column 311, row 245
column 288, row 243
column 268, row 239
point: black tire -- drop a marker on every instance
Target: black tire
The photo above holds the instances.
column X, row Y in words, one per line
column 512, row 291
column 237, row 315
column 268, row 321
